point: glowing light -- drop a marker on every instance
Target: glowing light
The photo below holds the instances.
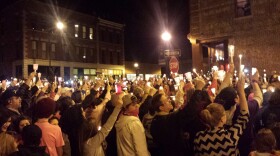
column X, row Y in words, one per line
column 136, row 65
column 166, row 36
column 60, row 25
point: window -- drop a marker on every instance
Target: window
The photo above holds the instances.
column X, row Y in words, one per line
column 91, row 33
column 85, row 53
column 44, row 50
column 76, row 30
column 77, row 50
column 53, row 47
column 34, row 45
column 84, row 31
column 52, row 50
column 44, row 46
column 243, row 8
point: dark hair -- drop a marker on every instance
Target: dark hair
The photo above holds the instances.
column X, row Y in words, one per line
column 275, row 97
column 18, row 120
column 88, row 129
column 31, row 135
column 155, row 104
column 265, row 141
column 63, row 103
column 276, row 131
column 77, row 96
column 226, row 97
column 44, row 108
column 4, row 117
column 70, row 123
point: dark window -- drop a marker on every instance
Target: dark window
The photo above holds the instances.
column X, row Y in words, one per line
column 243, row 8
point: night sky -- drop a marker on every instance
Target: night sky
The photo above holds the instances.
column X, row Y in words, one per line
column 145, row 20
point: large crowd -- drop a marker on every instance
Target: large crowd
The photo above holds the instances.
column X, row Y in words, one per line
column 221, row 113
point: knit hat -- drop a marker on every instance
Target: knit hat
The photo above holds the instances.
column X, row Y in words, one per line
column 128, row 99
column 31, row 135
column 44, row 108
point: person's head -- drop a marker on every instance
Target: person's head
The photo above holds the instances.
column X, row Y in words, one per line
column 5, row 120
column 276, row 131
column 64, row 103
column 138, row 92
column 21, row 122
column 54, row 121
column 44, row 108
column 8, row 144
column 265, row 141
column 72, row 119
column 161, row 103
column 65, row 91
column 130, row 105
column 93, row 109
column 11, row 99
column 31, row 135
column 199, row 99
column 227, row 97
column 77, row 97
column 275, row 97
column 214, row 115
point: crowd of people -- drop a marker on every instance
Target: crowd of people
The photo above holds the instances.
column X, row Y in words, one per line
column 197, row 115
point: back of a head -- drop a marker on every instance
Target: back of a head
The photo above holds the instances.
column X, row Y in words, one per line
column 71, row 119
column 77, row 96
column 63, row 104
column 44, row 108
column 212, row 114
column 31, row 135
column 7, row 144
column 199, row 100
column 275, row 97
column 155, row 104
column 265, row 141
column 226, row 97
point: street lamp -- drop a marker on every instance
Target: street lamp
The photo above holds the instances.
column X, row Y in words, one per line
column 136, row 66
column 165, row 36
column 60, row 26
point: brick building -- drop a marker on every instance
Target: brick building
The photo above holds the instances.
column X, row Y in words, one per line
column 252, row 26
column 87, row 45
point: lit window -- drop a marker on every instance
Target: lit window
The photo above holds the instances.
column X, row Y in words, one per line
column 84, row 31
column 91, row 33
column 76, row 30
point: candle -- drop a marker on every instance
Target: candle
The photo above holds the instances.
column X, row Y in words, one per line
column 240, row 57
column 39, row 76
column 35, row 67
column 55, row 79
column 231, row 52
column 217, row 55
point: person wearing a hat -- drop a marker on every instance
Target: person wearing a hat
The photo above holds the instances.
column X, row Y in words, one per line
column 12, row 103
column 31, row 135
column 51, row 134
column 131, row 139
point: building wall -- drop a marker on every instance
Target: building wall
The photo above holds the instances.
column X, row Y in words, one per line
column 256, row 37
column 30, row 36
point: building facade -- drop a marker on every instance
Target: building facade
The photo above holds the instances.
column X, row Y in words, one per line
column 251, row 26
column 83, row 46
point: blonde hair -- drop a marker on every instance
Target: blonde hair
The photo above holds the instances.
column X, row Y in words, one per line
column 8, row 144
column 212, row 114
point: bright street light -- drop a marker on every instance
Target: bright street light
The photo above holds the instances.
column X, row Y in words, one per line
column 166, row 36
column 59, row 25
column 136, row 65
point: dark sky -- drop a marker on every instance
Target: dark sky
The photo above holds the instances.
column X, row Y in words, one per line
column 144, row 19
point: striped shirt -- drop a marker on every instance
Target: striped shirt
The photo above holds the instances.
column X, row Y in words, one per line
column 220, row 141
